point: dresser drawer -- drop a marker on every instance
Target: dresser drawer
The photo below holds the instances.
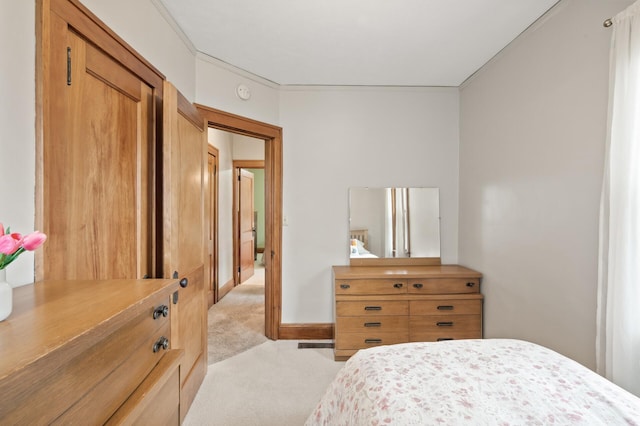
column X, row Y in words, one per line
column 124, row 359
column 97, row 381
column 157, row 400
column 445, row 307
column 371, row 286
column 444, row 286
column 371, row 308
column 439, row 336
column 376, row 324
column 434, row 327
column 367, row 340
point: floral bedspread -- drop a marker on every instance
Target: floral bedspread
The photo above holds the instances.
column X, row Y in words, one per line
column 471, row 382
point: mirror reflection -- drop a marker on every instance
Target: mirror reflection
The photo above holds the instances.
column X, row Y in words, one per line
column 394, row 222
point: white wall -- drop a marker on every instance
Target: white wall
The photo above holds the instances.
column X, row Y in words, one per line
column 336, row 138
column 146, row 28
column 217, row 83
column 532, row 135
column 247, row 148
column 17, row 126
column 223, row 141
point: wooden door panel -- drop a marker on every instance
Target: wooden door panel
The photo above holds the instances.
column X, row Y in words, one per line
column 190, row 329
column 246, row 225
column 96, row 197
column 190, row 219
column 185, row 233
column 115, row 75
column 211, row 213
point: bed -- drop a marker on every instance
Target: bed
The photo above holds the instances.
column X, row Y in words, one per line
column 471, row 382
column 359, row 239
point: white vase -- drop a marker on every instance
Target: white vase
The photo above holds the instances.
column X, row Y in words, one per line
column 6, row 296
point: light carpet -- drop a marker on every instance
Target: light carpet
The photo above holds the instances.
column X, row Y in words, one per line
column 236, row 323
column 274, row 383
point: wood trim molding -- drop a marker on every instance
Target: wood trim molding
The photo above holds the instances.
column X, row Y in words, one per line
column 306, row 331
column 189, row 112
column 237, row 124
column 248, row 164
column 272, row 135
column 396, row 261
column 224, row 289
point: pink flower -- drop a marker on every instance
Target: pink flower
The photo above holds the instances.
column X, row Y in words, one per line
column 13, row 245
column 33, row 240
column 10, row 243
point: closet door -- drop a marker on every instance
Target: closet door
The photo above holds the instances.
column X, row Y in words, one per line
column 185, row 233
column 246, row 225
column 95, row 189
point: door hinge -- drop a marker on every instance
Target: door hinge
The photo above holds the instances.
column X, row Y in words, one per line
column 68, row 66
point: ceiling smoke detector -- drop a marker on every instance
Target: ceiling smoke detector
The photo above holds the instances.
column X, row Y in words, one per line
column 243, row 92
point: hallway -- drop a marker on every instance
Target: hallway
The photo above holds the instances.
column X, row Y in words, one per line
column 236, row 323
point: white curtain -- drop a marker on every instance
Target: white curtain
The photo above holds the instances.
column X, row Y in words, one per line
column 618, row 316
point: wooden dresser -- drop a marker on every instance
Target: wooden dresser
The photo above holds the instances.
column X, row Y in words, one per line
column 382, row 305
column 90, row 352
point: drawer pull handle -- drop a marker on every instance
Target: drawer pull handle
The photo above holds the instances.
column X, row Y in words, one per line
column 442, row 339
column 418, row 285
column 470, row 284
column 162, row 343
column 445, row 308
column 397, row 285
column 162, row 310
column 373, row 340
column 345, row 286
column 373, row 324
column 445, row 324
column 184, row 283
column 373, row 308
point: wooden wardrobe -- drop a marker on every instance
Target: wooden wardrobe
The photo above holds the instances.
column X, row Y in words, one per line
column 120, row 172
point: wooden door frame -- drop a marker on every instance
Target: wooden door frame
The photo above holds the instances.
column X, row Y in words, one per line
column 272, row 136
column 213, row 219
column 237, row 165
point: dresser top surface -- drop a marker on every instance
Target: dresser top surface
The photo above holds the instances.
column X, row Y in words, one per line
column 432, row 271
column 51, row 317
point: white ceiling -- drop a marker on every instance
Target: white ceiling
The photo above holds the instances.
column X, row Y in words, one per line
column 355, row 42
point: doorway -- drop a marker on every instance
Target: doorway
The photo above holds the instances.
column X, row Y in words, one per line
column 272, row 137
column 249, row 205
column 211, row 203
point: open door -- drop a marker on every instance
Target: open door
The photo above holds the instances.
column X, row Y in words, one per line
column 246, row 224
column 185, row 234
column 212, row 235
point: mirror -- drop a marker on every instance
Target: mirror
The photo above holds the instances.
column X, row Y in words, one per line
column 394, row 223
